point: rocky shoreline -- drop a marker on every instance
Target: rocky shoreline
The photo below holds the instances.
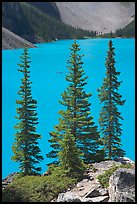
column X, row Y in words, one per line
column 121, row 184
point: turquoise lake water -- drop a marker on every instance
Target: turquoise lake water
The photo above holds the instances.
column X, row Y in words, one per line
column 47, row 60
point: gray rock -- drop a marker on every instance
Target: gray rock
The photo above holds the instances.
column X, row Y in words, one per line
column 103, row 191
column 68, row 197
column 96, row 199
column 8, row 179
column 79, row 185
column 81, row 188
column 91, row 178
column 85, row 180
column 92, row 193
column 125, row 160
column 122, row 198
column 100, row 199
column 122, row 186
column 10, row 40
column 105, row 165
column 99, row 16
column 86, row 199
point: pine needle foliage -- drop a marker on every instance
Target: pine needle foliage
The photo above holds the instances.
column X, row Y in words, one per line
column 76, row 133
column 110, row 117
column 26, row 148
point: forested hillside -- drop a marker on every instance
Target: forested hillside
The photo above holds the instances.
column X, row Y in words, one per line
column 33, row 24
column 49, row 8
column 127, row 31
column 13, row 19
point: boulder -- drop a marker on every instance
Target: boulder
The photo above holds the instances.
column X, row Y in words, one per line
column 68, row 197
column 125, row 160
column 92, row 193
column 105, row 165
column 96, row 199
column 86, row 200
column 103, row 191
column 100, row 199
column 122, row 186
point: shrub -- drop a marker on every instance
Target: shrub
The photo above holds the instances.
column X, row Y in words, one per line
column 104, row 178
column 37, row 188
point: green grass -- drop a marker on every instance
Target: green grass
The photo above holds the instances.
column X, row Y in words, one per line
column 104, row 178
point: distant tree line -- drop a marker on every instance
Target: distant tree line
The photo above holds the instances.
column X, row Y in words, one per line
column 126, row 32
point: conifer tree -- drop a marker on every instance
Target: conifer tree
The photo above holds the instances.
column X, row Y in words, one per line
column 69, row 157
column 25, row 148
column 79, row 123
column 109, row 114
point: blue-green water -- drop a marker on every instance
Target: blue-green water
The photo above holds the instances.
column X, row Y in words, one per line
column 47, row 60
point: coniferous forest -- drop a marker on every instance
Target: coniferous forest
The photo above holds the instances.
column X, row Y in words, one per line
column 32, row 21
column 75, row 141
column 41, row 22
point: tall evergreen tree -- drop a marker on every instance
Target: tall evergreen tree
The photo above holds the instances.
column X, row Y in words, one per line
column 25, row 148
column 77, row 114
column 109, row 114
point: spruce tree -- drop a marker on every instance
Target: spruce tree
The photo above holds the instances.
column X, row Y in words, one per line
column 69, row 157
column 25, row 148
column 79, row 123
column 110, row 116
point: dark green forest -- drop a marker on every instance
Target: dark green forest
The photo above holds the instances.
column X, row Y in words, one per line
column 33, row 22
column 49, row 8
column 127, row 31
